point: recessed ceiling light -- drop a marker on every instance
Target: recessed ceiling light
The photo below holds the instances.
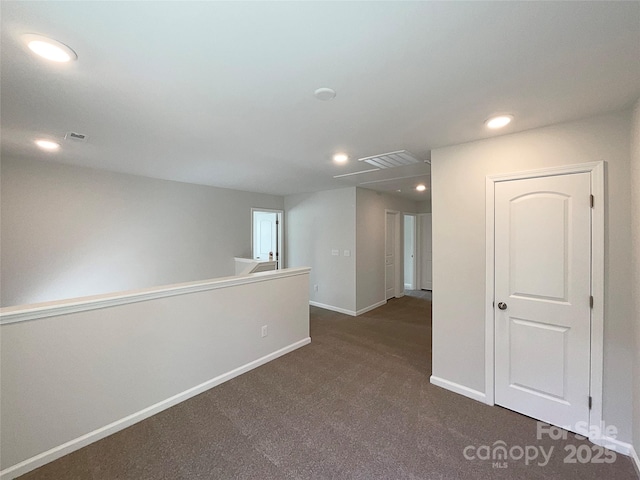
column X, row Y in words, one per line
column 421, row 188
column 48, row 145
column 340, row 157
column 499, row 121
column 49, row 48
column 325, row 94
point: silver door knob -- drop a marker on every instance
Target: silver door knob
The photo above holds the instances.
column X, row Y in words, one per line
column 502, row 306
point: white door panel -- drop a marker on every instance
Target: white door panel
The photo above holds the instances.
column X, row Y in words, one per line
column 539, row 262
column 264, row 234
column 266, row 238
column 542, row 274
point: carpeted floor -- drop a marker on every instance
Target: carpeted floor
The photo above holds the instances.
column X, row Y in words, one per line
column 354, row 404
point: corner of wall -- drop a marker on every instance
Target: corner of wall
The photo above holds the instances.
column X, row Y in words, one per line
column 321, row 234
column 635, row 254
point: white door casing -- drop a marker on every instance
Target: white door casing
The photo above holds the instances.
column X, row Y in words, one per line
column 540, row 307
column 542, row 291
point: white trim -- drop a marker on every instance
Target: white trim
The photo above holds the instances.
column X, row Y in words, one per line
column 548, row 172
column 620, row 447
column 332, row 308
column 24, row 313
column 345, row 311
column 597, row 290
column 636, row 460
column 77, row 443
column 597, row 172
column 459, row 389
column 614, row 444
column 370, row 307
column 489, row 327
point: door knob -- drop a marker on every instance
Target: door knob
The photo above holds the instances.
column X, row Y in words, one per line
column 502, row 306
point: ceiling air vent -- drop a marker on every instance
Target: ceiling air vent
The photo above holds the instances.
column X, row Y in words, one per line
column 75, row 136
column 391, row 159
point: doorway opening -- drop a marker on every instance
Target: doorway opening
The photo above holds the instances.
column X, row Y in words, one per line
column 410, row 252
column 266, row 235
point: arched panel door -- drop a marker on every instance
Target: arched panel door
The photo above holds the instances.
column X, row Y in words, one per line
column 542, row 302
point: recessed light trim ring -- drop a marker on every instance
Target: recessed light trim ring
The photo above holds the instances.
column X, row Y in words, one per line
column 340, row 158
column 499, row 121
column 48, row 145
column 49, row 48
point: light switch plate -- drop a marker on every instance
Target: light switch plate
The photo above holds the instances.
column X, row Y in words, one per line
column 347, row 253
column 335, row 252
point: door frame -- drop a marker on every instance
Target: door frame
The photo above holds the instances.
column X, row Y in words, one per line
column 398, row 286
column 597, row 175
column 281, row 245
column 415, row 280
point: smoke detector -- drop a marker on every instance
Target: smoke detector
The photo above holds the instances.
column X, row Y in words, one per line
column 324, row 94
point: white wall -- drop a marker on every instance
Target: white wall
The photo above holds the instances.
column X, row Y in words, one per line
column 71, row 231
column 370, row 237
column 458, row 184
column 426, row 251
column 424, row 207
column 635, row 211
column 85, row 373
column 316, row 224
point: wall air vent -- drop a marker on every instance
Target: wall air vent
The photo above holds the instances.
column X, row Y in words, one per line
column 391, row 159
column 75, row 136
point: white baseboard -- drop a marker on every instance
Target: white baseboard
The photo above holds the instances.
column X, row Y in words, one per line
column 635, row 457
column 457, row 388
column 344, row 310
column 77, row 443
column 371, row 307
column 332, row 308
column 622, row 448
column 613, row 444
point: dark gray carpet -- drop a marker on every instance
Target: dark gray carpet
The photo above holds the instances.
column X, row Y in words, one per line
column 355, row 404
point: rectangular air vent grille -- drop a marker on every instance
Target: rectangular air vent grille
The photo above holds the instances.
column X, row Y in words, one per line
column 391, row 159
column 76, row 137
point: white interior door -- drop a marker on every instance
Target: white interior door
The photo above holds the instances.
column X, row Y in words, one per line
column 390, row 255
column 267, row 235
column 542, row 297
column 426, row 261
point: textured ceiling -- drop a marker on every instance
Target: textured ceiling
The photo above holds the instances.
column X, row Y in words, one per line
column 221, row 93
